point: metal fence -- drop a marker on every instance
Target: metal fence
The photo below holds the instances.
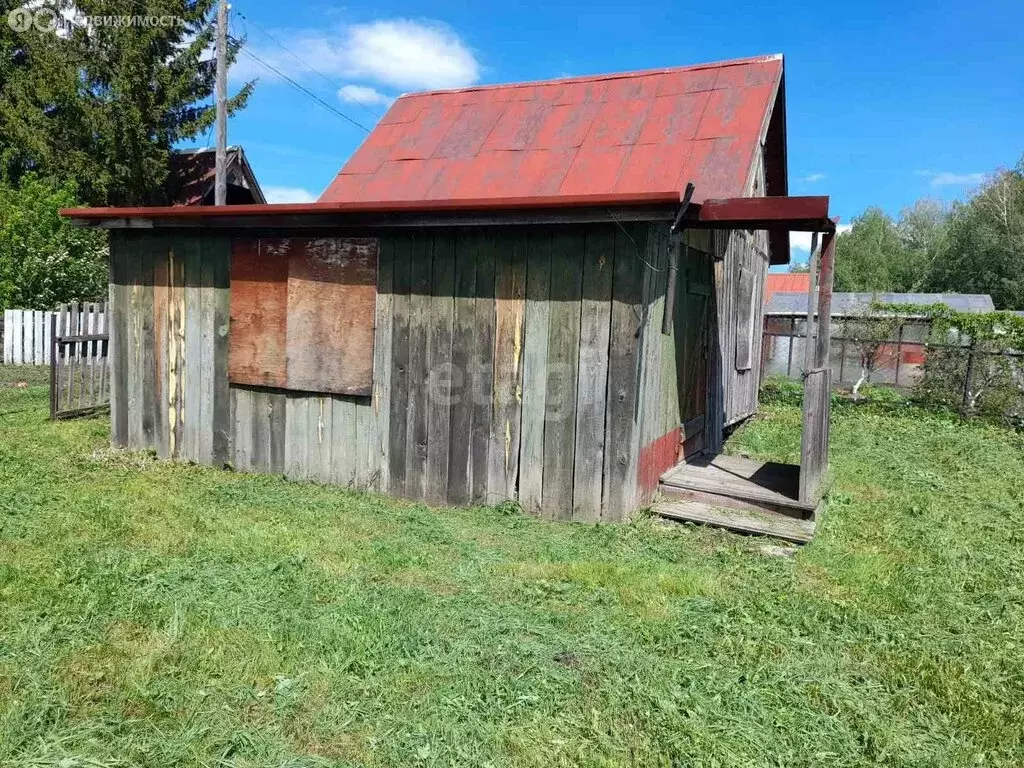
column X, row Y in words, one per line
column 899, row 361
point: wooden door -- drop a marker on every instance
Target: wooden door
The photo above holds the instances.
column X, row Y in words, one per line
column 691, row 331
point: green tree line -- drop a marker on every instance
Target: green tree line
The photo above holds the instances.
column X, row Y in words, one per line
column 89, row 114
column 971, row 246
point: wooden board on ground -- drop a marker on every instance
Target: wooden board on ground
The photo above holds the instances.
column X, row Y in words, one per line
column 741, row 521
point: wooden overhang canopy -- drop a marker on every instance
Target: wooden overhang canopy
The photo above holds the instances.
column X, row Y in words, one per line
column 804, row 214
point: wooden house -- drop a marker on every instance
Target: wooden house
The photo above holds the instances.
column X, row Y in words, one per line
column 549, row 292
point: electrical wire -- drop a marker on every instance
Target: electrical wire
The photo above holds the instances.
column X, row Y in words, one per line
column 325, row 78
column 291, row 82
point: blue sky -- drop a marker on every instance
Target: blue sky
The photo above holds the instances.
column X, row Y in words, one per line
column 887, row 101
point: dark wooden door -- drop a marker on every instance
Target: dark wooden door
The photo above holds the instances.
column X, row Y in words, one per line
column 692, row 325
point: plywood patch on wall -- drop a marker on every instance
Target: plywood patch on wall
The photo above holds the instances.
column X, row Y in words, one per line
column 302, row 313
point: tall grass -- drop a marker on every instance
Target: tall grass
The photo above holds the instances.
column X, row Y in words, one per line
column 159, row 614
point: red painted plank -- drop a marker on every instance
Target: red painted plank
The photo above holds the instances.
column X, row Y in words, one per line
column 781, row 209
column 259, row 313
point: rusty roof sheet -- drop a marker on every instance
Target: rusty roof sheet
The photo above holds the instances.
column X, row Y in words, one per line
column 637, row 133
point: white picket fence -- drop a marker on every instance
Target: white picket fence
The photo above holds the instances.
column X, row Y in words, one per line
column 27, row 331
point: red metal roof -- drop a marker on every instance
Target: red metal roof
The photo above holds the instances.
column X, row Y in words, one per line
column 786, row 282
column 622, row 135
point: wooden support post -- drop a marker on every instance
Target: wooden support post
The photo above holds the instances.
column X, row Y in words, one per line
column 818, row 384
column 812, row 302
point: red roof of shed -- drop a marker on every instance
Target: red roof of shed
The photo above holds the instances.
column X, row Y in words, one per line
column 630, row 135
column 786, row 282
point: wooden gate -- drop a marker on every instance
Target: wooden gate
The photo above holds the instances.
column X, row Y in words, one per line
column 79, row 361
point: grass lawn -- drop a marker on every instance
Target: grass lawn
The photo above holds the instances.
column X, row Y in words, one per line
column 155, row 614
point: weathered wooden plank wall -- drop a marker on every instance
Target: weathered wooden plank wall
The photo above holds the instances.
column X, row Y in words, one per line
column 169, row 310
column 509, row 363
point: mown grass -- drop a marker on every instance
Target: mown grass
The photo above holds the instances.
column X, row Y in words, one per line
column 157, row 614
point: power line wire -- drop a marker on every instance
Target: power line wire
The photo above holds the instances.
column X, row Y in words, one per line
column 325, row 78
column 306, row 91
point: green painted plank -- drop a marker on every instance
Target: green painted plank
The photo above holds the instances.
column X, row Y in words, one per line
column 621, row 417
column 464, row 330
column 439, row 366
column 567, row 247
column 419, row 322
column 535, row 359
column 480, row 372
column 591, row 395
column 399, row 400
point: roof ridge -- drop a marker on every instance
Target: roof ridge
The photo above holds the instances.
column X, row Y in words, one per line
column 602, row 76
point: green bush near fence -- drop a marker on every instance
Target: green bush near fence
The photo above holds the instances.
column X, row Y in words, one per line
column 44, row 261
column 974, row 362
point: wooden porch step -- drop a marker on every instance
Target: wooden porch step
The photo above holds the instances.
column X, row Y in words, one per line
column 738, row 483
column 741, row 521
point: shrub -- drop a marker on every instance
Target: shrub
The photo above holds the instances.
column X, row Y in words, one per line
column 44, row 261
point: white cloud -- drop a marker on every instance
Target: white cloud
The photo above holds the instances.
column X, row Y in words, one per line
column 948, row 178
column 800, row 242
column 811, row 178
column 395, row 53
column 410, row 54
column 288, row 195
column 364, row 94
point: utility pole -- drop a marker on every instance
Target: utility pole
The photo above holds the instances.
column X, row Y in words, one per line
column 220, row 187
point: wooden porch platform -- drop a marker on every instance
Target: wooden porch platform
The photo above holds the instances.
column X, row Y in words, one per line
column 738, row 493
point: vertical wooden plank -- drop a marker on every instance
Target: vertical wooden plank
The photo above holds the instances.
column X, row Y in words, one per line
column 27, row 331
column 419, row 320
column 296, row 451
column 148, row 403
column 480, row 370
column 276, row 409
column 192, row 357
column 205, row 294
column 595, row 318
column 8, row 336
column 37, row 337
column 438, row 382
column 321, row 419
column 506, row 423
column 175, row 347
column 399, row 400
column 566, row 291
column 622, row 445
column 364, row 442
column 464, row 331
column 16, row 337
column 258, row 427
column 378, row 440
column 134, row 265
column 535, row 360
column 242, row 407
column 116, row 330
column 343, row 458
column 220, row 288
